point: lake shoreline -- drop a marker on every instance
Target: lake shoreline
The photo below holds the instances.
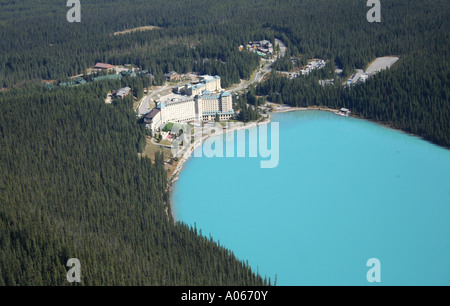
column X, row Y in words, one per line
column 186, row 156
column 190, row 150
column 384, row 124
column 319, row 222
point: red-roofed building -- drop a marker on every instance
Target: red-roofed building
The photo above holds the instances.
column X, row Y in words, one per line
column 103, row 66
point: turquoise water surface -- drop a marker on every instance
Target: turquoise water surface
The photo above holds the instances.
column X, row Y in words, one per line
column 345, row 190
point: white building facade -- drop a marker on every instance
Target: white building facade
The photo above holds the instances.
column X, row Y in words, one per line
column 206, row 83
column 199, row 105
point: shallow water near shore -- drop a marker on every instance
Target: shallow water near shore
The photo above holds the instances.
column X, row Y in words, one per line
column 345, row 190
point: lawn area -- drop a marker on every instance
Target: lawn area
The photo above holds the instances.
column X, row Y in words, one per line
column 151, row 149
column 168, row 127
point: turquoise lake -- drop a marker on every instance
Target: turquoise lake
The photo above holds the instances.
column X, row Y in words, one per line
column 345, row 190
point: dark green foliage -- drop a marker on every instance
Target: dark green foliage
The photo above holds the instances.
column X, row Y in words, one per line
column 246, row 106
column 71, row 181
column 412, row 96
column 282, row 64
column 168, row 127
column 41, row 44
column 72, row 185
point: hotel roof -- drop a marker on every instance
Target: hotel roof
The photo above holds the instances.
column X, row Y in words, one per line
column 108, row 77
column 152, row 113
column 172, row 99
column 200, row 85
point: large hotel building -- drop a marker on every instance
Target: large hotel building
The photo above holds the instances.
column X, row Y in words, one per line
column 193, row 103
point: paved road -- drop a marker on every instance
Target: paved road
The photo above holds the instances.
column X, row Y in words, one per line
column 263, row 71
column 257, row 78
column 144, row 107
column 355, row 77
column 282, row 47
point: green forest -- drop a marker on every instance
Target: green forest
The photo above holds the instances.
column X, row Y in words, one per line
column 72, row 183
column 73, row 186
column 413, row 95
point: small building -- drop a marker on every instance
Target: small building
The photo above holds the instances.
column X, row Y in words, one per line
column 262, row 47
column 178, row 89
column 48, row 86
column 67, row 84
column 123, row 92
column 103, row 66
column 80, row 81
column 107, row 77
column 76, row 82
column 344, row 112
column 363, row 77
column 128, row 72
column 172, row 76
column 149, row 75
column 153, row 119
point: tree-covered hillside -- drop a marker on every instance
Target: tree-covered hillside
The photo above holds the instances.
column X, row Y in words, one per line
column 37, row 42
column 71, row 180
column 72, row 186
column 412, row 96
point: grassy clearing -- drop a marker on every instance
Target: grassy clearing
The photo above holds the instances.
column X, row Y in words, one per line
column 139, row 29
column 151, row 149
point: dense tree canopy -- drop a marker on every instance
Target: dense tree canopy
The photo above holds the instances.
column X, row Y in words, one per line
column 73, row 186
column 72, row 183
column 203, row 35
